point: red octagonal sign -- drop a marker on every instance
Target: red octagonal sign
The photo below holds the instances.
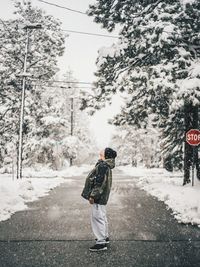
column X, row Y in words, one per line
column 193, row 137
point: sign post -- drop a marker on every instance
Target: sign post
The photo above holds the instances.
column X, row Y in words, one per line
column 193, row 139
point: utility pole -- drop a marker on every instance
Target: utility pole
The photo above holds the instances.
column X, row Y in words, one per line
column 72, row 115
column 19, row 158
column 72, row 123
column 24, row 75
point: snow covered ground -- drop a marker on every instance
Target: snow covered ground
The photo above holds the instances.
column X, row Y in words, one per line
column 16, row 193
column 167, row 187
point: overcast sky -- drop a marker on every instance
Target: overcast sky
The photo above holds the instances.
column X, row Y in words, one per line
column 81, row 52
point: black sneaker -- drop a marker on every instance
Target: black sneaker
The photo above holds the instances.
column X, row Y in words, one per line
column 107, row 240
column 98, row 247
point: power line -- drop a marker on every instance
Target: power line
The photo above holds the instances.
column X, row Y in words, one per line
column 85, row 33
column 71, row 82
column 62, row 87
column 63, row 7
column 59, row 81
column 89, row 33
column 80, row 12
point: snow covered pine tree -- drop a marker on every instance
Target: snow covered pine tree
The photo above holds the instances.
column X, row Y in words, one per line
column 156, row 61
column 45, row 48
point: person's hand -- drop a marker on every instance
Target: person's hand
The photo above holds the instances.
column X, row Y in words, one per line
column 91, row 200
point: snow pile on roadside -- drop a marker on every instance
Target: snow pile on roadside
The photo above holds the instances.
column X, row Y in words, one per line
column 16, row 193
column 49, row 173
column 154, row 172
column 167, row 187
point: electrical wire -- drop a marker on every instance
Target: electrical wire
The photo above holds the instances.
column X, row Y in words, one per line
column 62, row 87
column 63, row 7
column 89, row 33
column 59, row 81
column 80, row 12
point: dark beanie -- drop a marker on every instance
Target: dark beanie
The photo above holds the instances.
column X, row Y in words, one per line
column 110, row 153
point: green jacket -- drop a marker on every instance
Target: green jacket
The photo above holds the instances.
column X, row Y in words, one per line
column 100, row 192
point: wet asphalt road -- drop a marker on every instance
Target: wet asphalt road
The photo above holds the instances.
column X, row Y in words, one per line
column 55, row 231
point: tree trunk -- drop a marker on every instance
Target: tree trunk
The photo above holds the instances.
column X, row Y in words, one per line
column 187, row 147
column 196, row 126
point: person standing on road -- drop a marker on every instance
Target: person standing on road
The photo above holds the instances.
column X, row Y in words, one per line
column 97, row 190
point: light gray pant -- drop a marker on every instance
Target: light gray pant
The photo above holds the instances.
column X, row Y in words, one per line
column 99, row 223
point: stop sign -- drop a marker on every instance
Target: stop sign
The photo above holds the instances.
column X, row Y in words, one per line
column 193, row 137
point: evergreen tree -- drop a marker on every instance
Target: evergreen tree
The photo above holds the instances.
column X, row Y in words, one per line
column 50, row 140
column 141, row 147
column 45, row 46
column 157, row 48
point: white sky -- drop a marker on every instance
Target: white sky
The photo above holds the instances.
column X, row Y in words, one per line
column 80, row 54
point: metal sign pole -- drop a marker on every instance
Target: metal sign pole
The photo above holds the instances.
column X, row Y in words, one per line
column 193, row 163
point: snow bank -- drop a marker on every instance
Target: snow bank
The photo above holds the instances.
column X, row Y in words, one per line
column 167, row 187
column 141, row 171
column 16, row 193
column 46, row 172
